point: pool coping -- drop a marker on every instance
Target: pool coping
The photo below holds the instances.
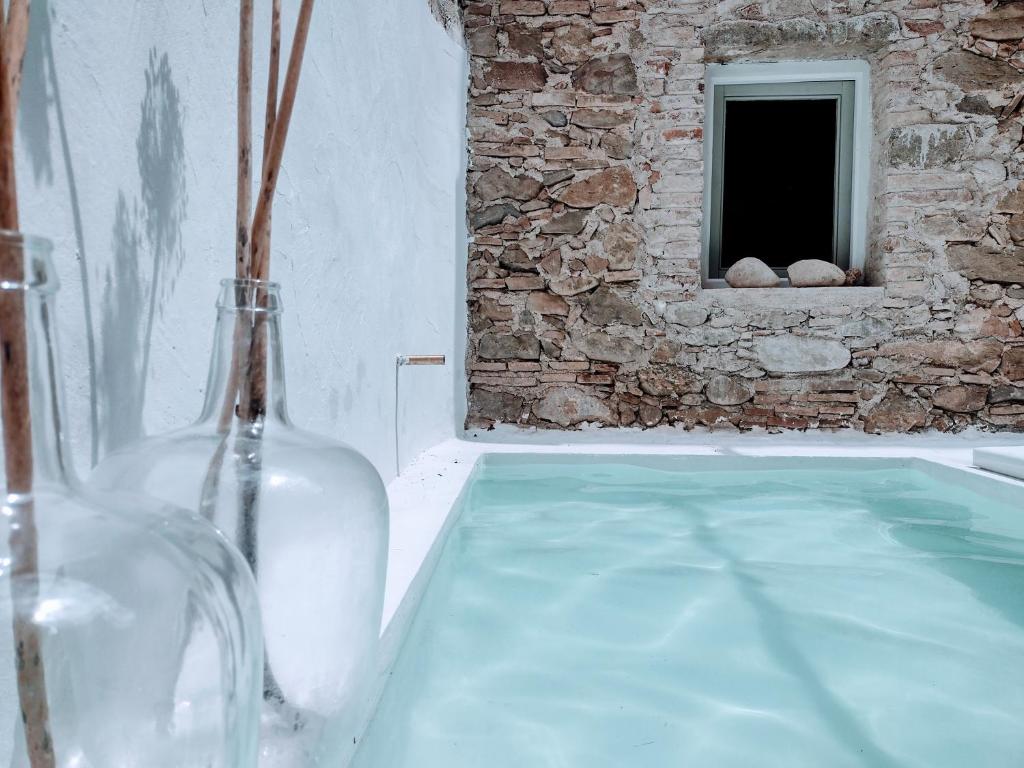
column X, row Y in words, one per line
column 425, row 495
column 425, row 498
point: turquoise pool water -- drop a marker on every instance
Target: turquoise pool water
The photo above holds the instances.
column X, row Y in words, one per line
column 605, row 613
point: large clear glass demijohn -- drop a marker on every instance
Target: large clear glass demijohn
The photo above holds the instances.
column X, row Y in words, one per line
column 129, row 631
column 309, row 513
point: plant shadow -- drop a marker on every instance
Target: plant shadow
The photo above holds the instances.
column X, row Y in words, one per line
column 147, row 258
column 147, row 254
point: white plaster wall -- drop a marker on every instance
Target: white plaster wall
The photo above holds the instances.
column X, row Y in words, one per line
column 126, row 161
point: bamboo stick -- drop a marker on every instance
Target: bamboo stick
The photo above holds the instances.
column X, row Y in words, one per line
column 270, row 119
column 16, row 30
column 243, row 206
column 17, row 416
column 253, row 380
column 243, row 247
column 243, row 235
column 8, row 184
column 254, row 389
column 254, row 385
column 273, row 76
column 272, row 166
column 253, row 396
column 24, row 544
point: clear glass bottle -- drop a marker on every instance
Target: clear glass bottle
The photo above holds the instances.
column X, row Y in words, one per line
column 129, row 631
column 310, row 515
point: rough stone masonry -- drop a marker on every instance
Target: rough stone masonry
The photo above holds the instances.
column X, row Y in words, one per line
column 585, row 194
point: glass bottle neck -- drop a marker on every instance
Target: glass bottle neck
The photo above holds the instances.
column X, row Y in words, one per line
column 31, row 369
column 246, row 381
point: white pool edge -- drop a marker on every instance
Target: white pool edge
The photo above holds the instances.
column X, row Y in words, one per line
column 424, row 496
column 424, row 499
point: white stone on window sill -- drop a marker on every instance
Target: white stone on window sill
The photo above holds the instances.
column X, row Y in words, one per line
column 786, row 297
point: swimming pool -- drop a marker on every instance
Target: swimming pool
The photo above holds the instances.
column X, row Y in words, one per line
column 720, row 612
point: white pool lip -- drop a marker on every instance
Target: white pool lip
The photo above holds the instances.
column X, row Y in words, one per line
column 1005, row 460
column 424, row 497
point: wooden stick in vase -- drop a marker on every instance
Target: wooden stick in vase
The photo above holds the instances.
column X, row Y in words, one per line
column 243, row 205
column 17, row 418
column 270, row 120
column 16, row 32
column 239, row 346
column 252, row 401
column 272, row 165
column 273, row 76
column 24, row 537
column 253, row 385
column 243, row 235
column 8, row 181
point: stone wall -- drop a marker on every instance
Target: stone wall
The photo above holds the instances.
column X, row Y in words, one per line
column 585, row 194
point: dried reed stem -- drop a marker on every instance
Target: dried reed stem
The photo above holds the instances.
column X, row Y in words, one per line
column 253, row 396
column 243, row 266
column 8, row 182
column 253, row 400
column 254, row 388
column 270, row 119
column 24, row 543
column 17, row 415
column 244, row 200
column 272, row 165
column 243, row 206
column 16, row 33
column 253, row 377
column 273, row 76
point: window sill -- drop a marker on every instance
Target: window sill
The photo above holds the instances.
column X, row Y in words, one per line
column 785, row 297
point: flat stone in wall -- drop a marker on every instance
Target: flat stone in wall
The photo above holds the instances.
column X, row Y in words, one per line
column 585, row 192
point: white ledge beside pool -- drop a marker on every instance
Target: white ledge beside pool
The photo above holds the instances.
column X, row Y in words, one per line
column 1006, row 461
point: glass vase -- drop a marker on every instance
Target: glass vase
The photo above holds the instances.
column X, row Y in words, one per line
column 309, row 514
column 129, row 632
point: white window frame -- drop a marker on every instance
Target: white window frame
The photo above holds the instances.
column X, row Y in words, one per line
column 797, row 72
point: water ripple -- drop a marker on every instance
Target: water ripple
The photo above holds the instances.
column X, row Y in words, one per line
column 612, row 615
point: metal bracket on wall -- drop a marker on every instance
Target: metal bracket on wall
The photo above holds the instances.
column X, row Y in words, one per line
column 400, row 361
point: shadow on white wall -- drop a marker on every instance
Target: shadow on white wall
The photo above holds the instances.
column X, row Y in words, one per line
column 148, row 227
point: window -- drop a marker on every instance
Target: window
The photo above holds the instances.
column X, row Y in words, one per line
column 785, row 164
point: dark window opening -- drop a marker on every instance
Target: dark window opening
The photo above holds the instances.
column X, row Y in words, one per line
column 779, row 181
column 781, row 174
